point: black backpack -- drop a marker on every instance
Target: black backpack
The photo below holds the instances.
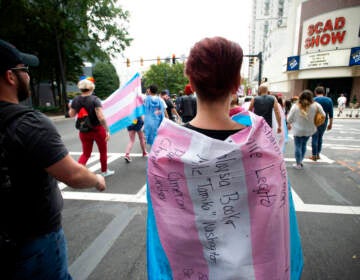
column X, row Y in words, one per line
column 83, row 122
column 10, row 115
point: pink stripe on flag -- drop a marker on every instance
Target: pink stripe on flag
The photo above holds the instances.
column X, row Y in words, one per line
column 125, row 111
column 122, row 93
column 268, row 203
column 172, row 204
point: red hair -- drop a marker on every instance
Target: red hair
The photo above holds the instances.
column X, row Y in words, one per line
column 213, row 66
column 188, row 90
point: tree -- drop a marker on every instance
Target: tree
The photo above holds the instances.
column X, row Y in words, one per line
column 106, row 79
column 64, row 34
column 167, row 76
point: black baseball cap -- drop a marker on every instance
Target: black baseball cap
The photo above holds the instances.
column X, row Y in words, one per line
column 11, row 56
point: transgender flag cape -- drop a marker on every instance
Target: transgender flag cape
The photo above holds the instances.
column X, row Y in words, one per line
column 222, row 210
column 124, row 105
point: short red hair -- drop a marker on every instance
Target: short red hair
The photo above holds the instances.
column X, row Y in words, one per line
column 213, row 66
column 188, row 90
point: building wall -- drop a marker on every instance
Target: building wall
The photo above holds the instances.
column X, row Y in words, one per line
column 323, row 63
column 327, row 34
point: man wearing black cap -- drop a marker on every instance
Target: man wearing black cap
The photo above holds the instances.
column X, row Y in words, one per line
column 32, row 159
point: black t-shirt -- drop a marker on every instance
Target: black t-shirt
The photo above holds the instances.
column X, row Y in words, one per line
column 169, row 107
column 90, row 102
column 263, row 106
column 188, row 106
column 216, row 134
column 34, row 206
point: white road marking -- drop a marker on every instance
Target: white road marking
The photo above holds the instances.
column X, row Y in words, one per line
column 87, row 262
column 323, row 159
column 139, row 197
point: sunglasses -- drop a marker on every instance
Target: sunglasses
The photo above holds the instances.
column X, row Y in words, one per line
column 23, row 68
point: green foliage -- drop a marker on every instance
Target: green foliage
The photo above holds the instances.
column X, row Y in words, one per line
column 51, row 110
column 106, row 79
column 64, row 34
column 167, row 76
column 72, row 94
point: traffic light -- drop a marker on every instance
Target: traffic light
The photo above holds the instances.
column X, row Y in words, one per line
column 173, row 59
column 158, row 60
column 251, row 61
column 141, row 61
column 128, row 62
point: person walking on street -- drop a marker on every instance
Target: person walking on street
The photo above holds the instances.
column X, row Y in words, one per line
column 99, row 131
column 341, row 104
column 133, row 129
column 264, row 104
column 300, row 121
column 155, row 111
column 317, row 138
column 170, row 107
column 188, row 104
column 197, row 184
column 178, row 101
column 33, row 159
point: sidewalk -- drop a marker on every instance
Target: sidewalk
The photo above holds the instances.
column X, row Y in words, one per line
column 56, row 117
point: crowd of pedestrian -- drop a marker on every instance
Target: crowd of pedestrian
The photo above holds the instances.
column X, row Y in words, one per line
column 208, row 109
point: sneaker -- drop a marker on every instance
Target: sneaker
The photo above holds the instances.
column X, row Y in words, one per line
column 298, row 166
column 317, row 157
column 108, row 173
column 127, row 158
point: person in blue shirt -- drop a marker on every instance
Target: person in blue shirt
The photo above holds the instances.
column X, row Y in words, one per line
column 155, row 111
column 327, row 104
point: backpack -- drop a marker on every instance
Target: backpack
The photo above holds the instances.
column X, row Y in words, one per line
column 11, row 115
column 83, row 123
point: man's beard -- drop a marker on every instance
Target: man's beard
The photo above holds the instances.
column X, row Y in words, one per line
column 23, row 89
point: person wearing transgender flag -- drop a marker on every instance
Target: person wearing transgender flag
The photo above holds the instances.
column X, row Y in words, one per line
column 218, row 194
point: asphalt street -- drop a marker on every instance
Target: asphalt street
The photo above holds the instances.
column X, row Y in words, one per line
column 106, row 232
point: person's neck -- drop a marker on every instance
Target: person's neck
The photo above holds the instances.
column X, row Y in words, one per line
column 214, row 116
column 8, row 96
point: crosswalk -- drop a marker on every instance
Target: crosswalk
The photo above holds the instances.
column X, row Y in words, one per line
column 334, row 139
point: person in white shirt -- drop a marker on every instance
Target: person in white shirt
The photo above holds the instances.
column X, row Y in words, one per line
column 301, row 122
column 341, row 104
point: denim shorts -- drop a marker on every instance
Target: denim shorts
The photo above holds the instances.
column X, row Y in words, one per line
column 43, row 258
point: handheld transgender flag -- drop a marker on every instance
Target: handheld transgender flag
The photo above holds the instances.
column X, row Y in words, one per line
column 124, row 105
column 219, row 209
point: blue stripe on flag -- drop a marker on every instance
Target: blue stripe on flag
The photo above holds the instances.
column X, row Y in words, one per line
column 296, row 254
column 242, row 119
column 158, row 266
column 137, row 75
column 126, row 121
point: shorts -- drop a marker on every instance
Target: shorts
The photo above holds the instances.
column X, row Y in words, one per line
column 136, row 126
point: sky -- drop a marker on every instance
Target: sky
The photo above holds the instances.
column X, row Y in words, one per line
column 162, row 28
